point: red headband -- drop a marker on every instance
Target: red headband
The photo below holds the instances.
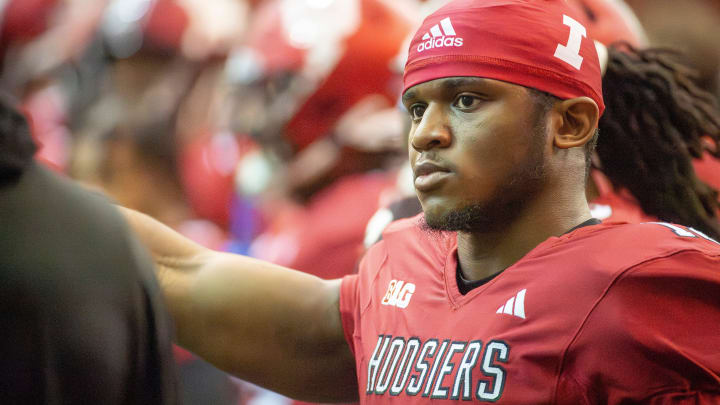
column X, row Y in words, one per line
column 534, row 43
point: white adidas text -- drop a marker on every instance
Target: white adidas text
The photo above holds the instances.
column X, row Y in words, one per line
column 440, row 35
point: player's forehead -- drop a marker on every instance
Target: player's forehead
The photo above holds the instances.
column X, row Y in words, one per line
column 457, row 84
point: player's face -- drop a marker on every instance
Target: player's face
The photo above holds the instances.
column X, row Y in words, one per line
column 477, row 150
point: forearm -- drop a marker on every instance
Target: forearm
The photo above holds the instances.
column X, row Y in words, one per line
column 270, row 325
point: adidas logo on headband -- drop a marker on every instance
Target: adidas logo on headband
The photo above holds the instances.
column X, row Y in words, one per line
column 440, row 35
column 541, row 44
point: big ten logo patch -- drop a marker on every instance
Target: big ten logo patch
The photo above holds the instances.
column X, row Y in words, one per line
column 398, row 294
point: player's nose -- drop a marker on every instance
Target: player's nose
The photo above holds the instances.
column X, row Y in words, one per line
column 433, row 130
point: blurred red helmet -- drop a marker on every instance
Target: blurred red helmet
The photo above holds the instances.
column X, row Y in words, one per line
column 194, row 29
column 305, row 63
column 611, row 21
column 166, row 24
column 23, row 20
column 207, row 168
column 130, row 26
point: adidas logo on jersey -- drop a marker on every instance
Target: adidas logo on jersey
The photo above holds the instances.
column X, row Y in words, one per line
column 514, row 306
column 440, row 35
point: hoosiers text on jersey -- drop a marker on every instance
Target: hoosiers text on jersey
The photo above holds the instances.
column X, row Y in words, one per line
column 437, row 369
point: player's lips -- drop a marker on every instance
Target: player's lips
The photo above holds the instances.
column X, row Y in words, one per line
column 429, row 175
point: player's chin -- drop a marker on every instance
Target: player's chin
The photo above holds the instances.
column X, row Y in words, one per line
column 433, row 205
column 436, row 210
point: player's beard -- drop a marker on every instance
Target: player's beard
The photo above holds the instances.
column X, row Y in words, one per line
column 508, row 201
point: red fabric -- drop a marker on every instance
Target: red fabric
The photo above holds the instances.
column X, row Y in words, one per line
column 708, row 170
column 364, row 59
column 659, row 323
column 23, row 20
column 612, row 313
column 509, row 40
column 366, row 63
column 621, row 206
column 266, row 36
column 46, row 114
column 207, row 167
column 325, row 238
column 618, row 207
column 615, row 205
column 166, row 25
column 182, row 356
column 611, row 21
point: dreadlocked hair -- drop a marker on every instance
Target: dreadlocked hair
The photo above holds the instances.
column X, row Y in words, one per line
column 656, row 121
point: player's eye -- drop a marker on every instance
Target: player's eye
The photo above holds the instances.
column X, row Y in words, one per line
column 417, row 111
column 466, row 102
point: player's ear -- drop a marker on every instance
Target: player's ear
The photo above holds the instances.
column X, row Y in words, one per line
column 574, row 122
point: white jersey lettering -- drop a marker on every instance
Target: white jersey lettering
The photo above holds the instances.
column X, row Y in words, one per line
column 375, row 360
column 441, row 392
column 464, row 375
column 396, row 349
column 437, row 370
column 416, row 381
column 406, row 364
column 495, row 350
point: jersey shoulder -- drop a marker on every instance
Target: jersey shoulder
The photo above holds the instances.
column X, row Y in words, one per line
column 674, row 251
column 406, row 245
column 615, row 247
column 407, row 237
column 412, row 229
column 599, row 254
column 403, row 225
column 653, row 236
column 655, row 325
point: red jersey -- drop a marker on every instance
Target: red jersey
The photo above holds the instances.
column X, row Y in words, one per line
column 605, row 314
column 619, row 205
column 615, row 205
column 325, row 238
column 708, row 170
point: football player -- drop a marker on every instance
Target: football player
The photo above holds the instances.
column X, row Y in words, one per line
column 505, row 289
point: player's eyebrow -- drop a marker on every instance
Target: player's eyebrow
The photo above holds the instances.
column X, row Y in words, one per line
column 449, row 84
column 409, row 95
column 453, row 83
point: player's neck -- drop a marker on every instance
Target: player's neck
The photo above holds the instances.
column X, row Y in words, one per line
column 483, row 254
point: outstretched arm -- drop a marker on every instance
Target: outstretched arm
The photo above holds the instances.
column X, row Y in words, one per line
column 266, row 324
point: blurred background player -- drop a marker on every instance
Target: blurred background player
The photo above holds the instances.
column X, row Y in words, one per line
column 317, row 89
column 83, row 317
column 314, row 85
column 137, row 138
